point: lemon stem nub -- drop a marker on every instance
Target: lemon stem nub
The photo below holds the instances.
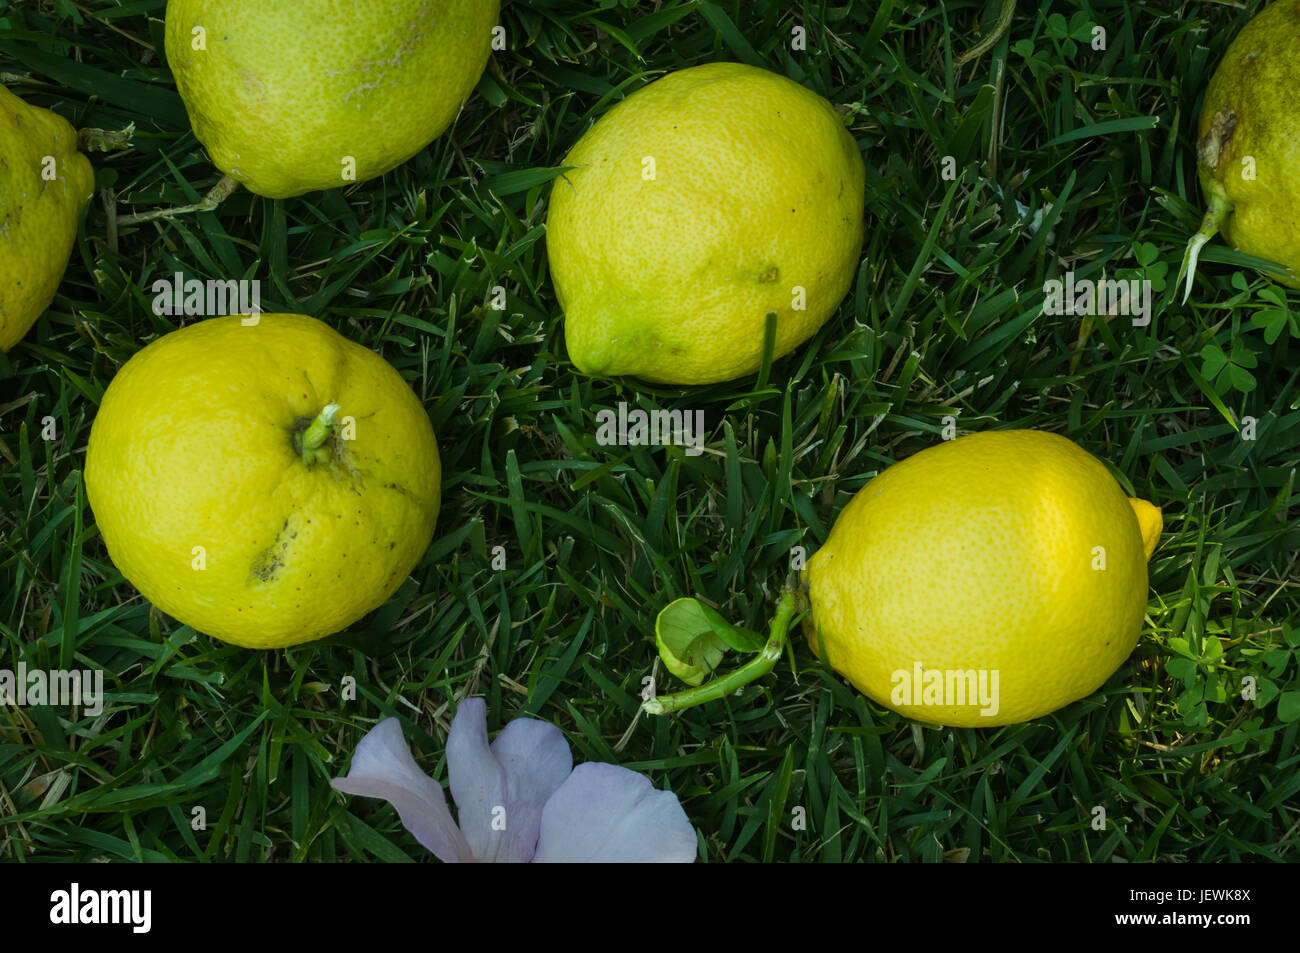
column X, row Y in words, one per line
column 757, row 667
column 317, row 433
column 105, row 140
column 1220, row 206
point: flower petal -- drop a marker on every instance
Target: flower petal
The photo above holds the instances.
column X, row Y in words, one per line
column 537, row 760
column 500, row 788
column 382, row 766
column 605, row 813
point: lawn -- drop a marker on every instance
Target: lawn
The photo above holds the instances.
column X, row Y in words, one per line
column 1064, row 156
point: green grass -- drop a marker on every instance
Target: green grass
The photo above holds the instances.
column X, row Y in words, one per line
column 945, row 318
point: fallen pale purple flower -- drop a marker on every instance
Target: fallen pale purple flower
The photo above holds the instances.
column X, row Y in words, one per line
column 520, row 799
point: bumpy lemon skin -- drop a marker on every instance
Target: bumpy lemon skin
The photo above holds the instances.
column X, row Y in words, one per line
column 1248, row 138
column 193, row 447
column 757, row 190
column 285, row 93
column 38, row 216
column 982, row 554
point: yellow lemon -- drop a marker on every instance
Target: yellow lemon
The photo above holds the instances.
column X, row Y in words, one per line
column 266, row 483
column 700, row 204
column 984, row 581
column 288, row 97
column 1248, row 143
column 44, row 182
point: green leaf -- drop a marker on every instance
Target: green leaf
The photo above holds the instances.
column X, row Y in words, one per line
column 1247, row 726
column 1242, row 355
column 1213, row 360
column 722, row 24
column 1265, row 691
column 1241, row 379
column 1183, row 669
column 1195, row 695
column 521, row 180
column 1214, row 691
column 1288, row 707
column 160, row 102
column 1273, row 294
column 692, row 639
column 1272, row 320
column 738, row 637
column 1107, row 127
column 1275, row 660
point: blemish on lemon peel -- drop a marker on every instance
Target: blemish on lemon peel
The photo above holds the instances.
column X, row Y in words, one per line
column 1215, row 142
column 274, row 556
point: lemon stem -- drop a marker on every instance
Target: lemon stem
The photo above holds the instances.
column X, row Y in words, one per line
column 757, row 667
column 317, row 433
column 215, row 196
column 1220, row 207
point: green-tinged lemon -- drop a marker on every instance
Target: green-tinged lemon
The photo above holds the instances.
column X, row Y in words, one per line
column 289, row 96
column 1248, row 144
column 697, row 206
column 44, row 182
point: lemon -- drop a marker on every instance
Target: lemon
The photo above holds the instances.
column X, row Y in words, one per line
column 1248, row 143
column 984, row 581
column 265, row 484
column 44, row 182
column 289, row 96
column 700, row 204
